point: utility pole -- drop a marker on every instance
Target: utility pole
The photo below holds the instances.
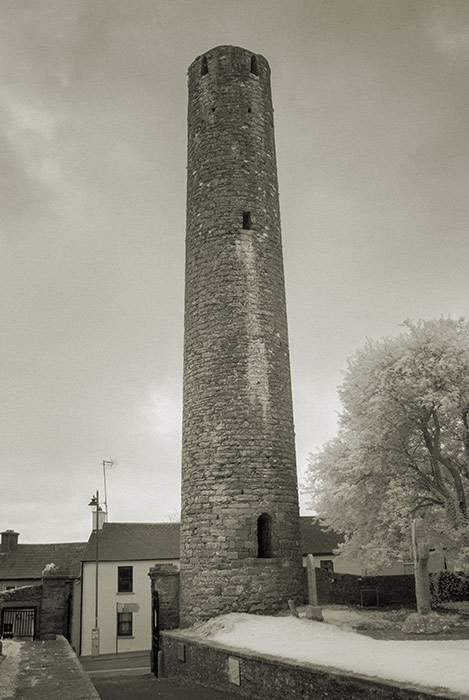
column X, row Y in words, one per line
column 94, row 503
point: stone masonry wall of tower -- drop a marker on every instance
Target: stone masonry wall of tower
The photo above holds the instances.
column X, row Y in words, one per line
column 240, row 516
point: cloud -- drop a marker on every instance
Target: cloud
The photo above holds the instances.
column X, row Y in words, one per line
column 30, row 131
column 450, row 34
column 162, row 413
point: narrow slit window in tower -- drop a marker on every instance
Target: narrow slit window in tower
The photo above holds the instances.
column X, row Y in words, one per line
column 246, row 220
column 264, row 536
column 204, row 66
column 254, row 68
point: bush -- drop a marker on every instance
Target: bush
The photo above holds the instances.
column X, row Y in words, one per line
column 449, row 586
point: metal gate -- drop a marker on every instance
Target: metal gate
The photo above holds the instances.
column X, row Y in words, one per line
column 18, row 622
column 155, row 632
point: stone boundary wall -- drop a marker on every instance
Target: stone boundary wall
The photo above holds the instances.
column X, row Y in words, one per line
column 253, row 675
column 345, row 589
column 52, row 600
column 23, row 597
column 349, row 589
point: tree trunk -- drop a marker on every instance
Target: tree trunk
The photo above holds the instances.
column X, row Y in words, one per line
column 420, row 553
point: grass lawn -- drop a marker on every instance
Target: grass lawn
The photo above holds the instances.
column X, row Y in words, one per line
column 386, row 623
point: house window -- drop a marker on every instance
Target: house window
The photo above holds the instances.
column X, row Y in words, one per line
column 327, row 564
column 264, row 536
column 124, row 624
column 124, row 579
column 247, row 220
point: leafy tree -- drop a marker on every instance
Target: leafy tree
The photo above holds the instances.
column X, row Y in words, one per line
column 402, row 448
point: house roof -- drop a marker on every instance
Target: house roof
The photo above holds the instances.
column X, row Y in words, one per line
column 134, row 541
column 131, row 541
column 27, row 561
column 315, row 539
column 147, row 541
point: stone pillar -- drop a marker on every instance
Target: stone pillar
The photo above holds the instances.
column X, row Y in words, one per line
column 240, row 517
column 165, row 582
column 56, row 605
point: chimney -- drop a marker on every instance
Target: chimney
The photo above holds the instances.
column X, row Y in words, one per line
column 9, row 540
column 102, row 518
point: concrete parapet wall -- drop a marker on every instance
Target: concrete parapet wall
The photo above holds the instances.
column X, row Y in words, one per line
column 253, row 675
column 45, row 670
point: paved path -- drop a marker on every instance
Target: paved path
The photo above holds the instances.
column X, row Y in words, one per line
column 137, row 662
column 150, row 688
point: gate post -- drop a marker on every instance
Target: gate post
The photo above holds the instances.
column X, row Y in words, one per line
column 165, row 607
column 165, row 582
column 57, row 595
column 155, row 634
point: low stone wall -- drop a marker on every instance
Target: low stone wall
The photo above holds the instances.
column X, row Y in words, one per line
column 253, row 675
column 347, row 589
column 24, row 597
column 51, row 600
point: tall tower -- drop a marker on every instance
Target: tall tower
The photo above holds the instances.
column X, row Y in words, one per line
column 240, row 516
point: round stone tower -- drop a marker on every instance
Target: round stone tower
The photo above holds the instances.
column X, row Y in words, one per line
column 240, row 518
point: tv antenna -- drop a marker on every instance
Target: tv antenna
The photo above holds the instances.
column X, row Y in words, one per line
column 109, row 464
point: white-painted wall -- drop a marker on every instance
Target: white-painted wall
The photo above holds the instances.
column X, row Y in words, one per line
column 108, row 598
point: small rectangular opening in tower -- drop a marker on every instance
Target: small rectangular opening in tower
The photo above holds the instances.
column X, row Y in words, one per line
column 247, row 220
column 254, row 68
column 264, row 536
column 204, row 66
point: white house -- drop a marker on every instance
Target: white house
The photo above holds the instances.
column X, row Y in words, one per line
column 116, row 613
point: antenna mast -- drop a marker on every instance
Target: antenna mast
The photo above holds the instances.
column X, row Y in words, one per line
column 106, row 463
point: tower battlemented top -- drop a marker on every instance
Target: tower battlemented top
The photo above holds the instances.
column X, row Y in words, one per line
column 238, row 62
column 240, row 517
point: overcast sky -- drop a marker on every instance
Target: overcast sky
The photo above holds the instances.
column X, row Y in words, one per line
column 371, row 119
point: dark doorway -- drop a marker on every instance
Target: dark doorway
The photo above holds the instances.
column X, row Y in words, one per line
column 264, row 536
column 19, row 622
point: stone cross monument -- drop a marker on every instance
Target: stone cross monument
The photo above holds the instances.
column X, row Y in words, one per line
column 240, row 517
